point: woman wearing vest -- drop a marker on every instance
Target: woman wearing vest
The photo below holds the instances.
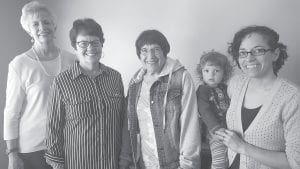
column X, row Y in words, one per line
column 162, row 125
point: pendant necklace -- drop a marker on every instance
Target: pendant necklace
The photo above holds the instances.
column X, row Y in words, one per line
column 43, row 67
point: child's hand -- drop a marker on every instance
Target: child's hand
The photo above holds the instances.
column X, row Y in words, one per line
column 212, row 132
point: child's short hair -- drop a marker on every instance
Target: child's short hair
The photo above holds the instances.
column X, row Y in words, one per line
column 217, row 59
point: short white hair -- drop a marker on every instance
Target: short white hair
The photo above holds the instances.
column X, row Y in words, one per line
column 31, row 8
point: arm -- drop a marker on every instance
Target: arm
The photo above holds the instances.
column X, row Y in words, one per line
column 15, row 96
column 190, row 138
column 125, row 158
column 56, row 121
column 276, row 159
column 204, row 109
column 125, row 155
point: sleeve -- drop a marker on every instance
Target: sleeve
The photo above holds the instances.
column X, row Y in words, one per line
column 125, row 156
column 291, row 126
column 56, row 123
column 204, row 109
column 15, row 95
column 190, row 136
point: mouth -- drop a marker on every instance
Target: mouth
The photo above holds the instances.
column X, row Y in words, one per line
column 44, row 33
column 251, row 66
column 151, row 62
column 91, row 54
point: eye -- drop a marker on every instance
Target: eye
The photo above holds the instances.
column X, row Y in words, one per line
column 35, row 24
column 143, row 50
column 243, row 53
column 217, row 71
column 205, row 70
column 258, row 51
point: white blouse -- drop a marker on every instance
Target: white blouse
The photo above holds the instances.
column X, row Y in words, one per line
column 28, row 84
column 148, row 141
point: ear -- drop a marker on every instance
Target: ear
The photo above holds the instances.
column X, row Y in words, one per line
column 276, row 54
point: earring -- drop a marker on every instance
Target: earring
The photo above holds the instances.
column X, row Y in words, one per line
column 32, row 40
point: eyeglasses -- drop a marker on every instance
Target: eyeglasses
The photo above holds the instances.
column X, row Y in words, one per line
column 85, row 44
column 156, row 51
column 253, row 52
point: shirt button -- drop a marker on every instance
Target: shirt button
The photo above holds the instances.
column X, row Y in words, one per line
column 152, row 102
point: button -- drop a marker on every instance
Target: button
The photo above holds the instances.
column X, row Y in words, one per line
column 152, row 102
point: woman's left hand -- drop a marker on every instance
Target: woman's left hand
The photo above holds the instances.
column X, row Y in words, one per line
column 231, row 140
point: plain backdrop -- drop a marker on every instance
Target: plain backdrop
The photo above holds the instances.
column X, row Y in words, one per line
column 191, row 26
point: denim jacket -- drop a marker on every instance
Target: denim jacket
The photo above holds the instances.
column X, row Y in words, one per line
column 175, row 119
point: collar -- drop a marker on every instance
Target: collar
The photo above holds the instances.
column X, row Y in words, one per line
column 76, row 70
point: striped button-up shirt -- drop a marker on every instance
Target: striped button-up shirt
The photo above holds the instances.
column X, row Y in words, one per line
column 84, row 129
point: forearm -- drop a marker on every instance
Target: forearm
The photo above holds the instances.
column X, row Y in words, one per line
column 12, row 144
column 274, row 159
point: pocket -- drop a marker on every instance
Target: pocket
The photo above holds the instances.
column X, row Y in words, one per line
column 116, row 99
column 81, row 107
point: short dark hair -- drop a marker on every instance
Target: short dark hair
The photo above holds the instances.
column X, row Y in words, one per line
column 152, row 37
column 272, row 37
column 88, row 26
column 217, row 59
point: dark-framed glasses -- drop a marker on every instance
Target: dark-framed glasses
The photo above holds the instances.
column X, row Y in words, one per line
column 155, row 50
column 254, row 52
column 85, row 44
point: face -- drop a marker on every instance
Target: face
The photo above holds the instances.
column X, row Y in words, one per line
column 212, row 74
column 88, row 49
column 152, row 58
column 41, row 27
column 258, row 66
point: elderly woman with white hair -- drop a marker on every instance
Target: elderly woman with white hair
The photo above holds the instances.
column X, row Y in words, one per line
column 30, row 75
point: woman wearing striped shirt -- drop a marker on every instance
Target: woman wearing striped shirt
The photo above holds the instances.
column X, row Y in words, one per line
column 85, row 107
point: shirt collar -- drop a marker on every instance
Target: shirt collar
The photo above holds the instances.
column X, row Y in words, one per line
column 77, row 71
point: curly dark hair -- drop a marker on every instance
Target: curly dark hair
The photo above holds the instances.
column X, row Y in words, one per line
column 152, row 37
column 88, row 26
column 272, row 39
column 217, row 59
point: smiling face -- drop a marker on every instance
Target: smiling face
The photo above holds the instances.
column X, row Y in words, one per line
column 90, row 51
column 152, row 58
column 257, row 66
column 212, row 74
column 41, row 27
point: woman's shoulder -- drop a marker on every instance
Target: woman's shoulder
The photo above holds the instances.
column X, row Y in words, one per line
column 289, row 89
column 21, row 60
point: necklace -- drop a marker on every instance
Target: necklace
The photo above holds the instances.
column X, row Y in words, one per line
column 43, row 67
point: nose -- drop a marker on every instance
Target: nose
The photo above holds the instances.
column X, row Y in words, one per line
column 250, row 57
column 41, row 26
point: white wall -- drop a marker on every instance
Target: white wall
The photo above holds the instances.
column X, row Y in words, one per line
column 191, row 26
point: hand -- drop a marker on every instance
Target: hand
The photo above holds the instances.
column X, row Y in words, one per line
column 213, row 133
column 14, row 161
column 231, row 140
column 59, row 167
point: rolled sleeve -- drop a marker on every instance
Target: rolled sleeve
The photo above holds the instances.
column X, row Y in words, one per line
column 190, row 138
column 291, row 125
column 56, row 123
column 15, row 95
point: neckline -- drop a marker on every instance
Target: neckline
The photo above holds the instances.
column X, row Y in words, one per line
column 263, row 108
column 44, row 68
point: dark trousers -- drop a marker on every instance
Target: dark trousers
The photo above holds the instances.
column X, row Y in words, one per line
column 34, row 160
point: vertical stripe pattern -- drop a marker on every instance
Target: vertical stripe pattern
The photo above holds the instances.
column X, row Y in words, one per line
column 84, row 130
